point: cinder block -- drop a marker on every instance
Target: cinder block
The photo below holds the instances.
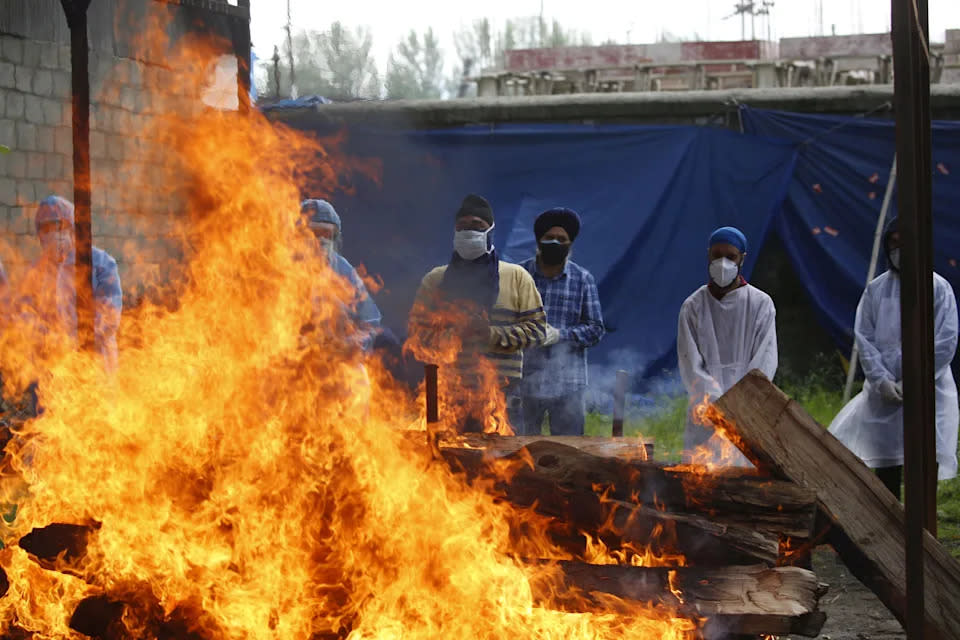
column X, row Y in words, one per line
column 49, row 56
column 36, row 166
column 23, row 78
column 8, row 191
column 65, row 61
column 128, row 99
column 136, row 74
column 34, row 109
column 31, row 53
column 63, row 141
column 15, row 105
column 26, row 136
column 115, row 148
column 66, row 112
column 56, row 164
column 7, row 76
column 53, row 112
column 62, row 85
column 26, row 194
column 98, row 145
column 11, row 49
column 43, row 83
column 8, row 134
column 21, row 220
column 45, row 139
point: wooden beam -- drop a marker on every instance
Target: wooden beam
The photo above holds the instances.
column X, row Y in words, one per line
column 499, row 446
column 730, row 601
column 867, row 520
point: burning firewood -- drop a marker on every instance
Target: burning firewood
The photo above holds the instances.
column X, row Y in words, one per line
column 576, row 508
column 58, row 543
column 867, row 521
column 731, row 601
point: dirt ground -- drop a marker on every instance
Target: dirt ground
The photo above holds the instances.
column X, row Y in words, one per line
column 853, row 612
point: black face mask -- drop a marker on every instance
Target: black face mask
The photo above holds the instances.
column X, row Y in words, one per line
column 553, row 253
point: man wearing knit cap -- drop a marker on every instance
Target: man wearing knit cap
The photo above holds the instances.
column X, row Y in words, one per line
column 324, row 223
column 726, row 329
column 555, row 374
column 491, row 307
column 54, row 284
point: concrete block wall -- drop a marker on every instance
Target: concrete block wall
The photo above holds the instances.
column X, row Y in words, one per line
column 133, row 217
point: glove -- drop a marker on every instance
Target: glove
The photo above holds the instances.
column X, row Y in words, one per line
column 890, row 390
column 552, row 336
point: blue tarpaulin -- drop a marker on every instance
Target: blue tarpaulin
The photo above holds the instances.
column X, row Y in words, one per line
column 834, row 200
column 649, row 198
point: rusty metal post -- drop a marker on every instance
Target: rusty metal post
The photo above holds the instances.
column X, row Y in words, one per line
column 76, row 13
column 619, row 403
column 242, row 49
column 430, row 380
column 912, row 106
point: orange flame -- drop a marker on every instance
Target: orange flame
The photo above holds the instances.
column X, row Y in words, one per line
column 248, row 477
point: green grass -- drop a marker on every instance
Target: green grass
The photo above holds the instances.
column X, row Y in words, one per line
column 665, row 427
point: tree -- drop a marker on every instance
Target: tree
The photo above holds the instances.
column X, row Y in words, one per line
column 415, row 68
column 336, row 63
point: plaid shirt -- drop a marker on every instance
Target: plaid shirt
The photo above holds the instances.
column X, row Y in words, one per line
column 573, row 308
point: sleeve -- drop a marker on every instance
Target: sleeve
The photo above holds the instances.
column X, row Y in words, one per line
column 109, row 306
column 694, row 374
column 590, row 330
column 865, row 333
column 944, row 326
column 430, row 338
column 530, row 325
column 765, row 355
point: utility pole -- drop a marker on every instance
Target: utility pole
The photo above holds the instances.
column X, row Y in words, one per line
column 276, row 70
column 293, row 77
column 76, row 13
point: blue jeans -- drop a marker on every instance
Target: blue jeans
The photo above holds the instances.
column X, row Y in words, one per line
column 566, row 414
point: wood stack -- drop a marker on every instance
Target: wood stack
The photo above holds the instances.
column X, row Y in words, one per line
column 720, row 544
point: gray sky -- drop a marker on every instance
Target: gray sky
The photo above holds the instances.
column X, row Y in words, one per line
column 643, row 20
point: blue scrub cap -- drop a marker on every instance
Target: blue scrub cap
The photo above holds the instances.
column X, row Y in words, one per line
column 320, row 211
column 54, row 208
column 731, row 236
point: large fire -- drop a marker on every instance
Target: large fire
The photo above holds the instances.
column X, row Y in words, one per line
column 240, row 474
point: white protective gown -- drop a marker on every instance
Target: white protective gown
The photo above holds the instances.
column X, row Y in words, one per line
column 871, row 426
column 719, row 342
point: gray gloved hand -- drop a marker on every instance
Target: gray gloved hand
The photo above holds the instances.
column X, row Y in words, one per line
column 890, row 390
column 552, row 336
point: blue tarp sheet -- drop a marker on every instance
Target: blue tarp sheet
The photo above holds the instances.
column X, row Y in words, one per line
column 649, row 198
column 834, row 200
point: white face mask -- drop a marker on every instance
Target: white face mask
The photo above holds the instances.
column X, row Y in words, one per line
column 723, row 272
column 895, row 259
column 470, row 245
column 57, row 244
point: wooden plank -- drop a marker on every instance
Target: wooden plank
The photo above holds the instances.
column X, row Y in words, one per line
column 619, row 525
column 735, row 600
column 620, row 447
column 867, row 521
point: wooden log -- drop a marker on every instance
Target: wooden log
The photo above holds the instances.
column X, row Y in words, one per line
column 736, row 600
column 500, row 446
column 736, row 498
column 620, row 525
column 867, row 521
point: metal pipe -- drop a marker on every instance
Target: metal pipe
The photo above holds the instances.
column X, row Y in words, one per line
column 76, row 14
column 433, row 405
column 871, row 271
column 619, row 402
column 912, row 106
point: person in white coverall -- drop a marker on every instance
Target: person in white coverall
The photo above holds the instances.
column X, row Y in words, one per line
column 871, row 425
column 726, row 329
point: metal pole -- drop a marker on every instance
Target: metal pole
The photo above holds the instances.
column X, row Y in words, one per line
column 76, row 14
column 912, row 106
column 242, row 49
column 619, row 403
column 872, row 271
column 433, row 406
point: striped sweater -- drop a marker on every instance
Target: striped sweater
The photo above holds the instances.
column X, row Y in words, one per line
column 517, row 320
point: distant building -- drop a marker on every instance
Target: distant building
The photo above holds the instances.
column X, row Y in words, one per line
column 685, row 66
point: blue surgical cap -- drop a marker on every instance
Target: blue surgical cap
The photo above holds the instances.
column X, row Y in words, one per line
column 320, row 211
column 731, row 236
column 54, row 208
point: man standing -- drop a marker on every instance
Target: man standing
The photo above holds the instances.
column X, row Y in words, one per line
column 54, row 285
column 726, row 329
column 871, row 425
column 324, row 223
column 488, row 310
column 555, row 376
